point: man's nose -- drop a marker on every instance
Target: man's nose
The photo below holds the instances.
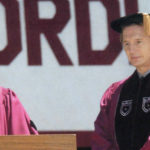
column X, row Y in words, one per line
column 132, row 48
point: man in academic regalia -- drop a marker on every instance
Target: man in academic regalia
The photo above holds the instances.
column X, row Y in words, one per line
column 124, row 119
column 13, row 118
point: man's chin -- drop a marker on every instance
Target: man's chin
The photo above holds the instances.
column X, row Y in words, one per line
column 135, row 63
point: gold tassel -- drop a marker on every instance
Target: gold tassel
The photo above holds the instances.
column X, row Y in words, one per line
column 146, row 23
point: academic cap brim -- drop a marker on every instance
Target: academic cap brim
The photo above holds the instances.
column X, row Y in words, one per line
column 122, row 22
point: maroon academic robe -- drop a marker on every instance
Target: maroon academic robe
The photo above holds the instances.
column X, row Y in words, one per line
column 13, row 117
column 104, row 137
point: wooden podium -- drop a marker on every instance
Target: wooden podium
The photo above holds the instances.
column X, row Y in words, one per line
column 38, row 142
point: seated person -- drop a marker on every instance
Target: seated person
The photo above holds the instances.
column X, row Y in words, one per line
column 13, row 118
column 123, row 122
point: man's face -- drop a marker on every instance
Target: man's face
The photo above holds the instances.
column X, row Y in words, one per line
column 137, row 47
